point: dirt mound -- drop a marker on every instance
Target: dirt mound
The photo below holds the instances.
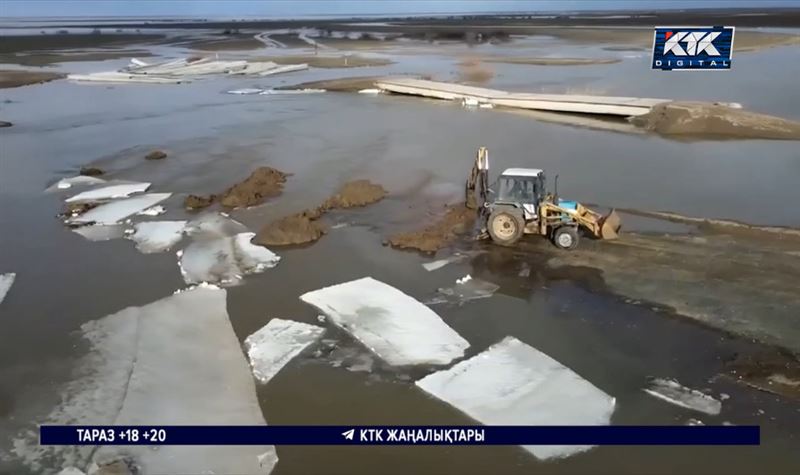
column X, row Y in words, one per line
column 263, row 183
column 302, row 228
column 354, row 194
column 698, row 118
column 298, row 228
column 198, row 202
column 15, row 78
column 155, row 155
column 457, row 220
column 775, row 371
column 76, row 209
column 91, row 171
column 3, row 123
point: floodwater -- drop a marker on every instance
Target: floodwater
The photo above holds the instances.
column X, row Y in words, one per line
column 420, row 151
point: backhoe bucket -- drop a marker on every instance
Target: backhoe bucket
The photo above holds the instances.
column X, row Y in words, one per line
column 610, row 225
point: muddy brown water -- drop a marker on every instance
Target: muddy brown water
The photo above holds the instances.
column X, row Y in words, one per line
column 420, row 151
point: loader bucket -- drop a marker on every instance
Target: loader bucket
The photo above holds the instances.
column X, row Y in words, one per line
column 610, row 225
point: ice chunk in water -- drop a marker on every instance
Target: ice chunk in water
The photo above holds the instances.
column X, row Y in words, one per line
column 152, row 211
column 120, row 190
column 157, row 236
column 101, row 232
column 512, row 383
column 214, row 225
column 6, row 280
column 224, row 260
column 671, row 391
column 176, row 361
column 276, row 343
column 245, row 91
column 396, row 327
column 466, row 289
column 66, row 183
column 113, row 212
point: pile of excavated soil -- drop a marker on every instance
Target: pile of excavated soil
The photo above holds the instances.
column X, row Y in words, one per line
column 302, row 228
column 458, row 220
column 91, row 171
column 355, row 193
column 775, row 372
column 199, row 202
column 263, row 183
column 706, row 119
column 156, row 155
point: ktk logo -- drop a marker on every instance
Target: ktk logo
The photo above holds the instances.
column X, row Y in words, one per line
column 696, row 42
column 693, row 48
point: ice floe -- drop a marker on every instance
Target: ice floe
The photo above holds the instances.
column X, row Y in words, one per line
column 271, row 92
column 214, row 225
column 101, row 232
column 369, row 91
column 156, row 236
column 176, row 361
column 113, row 212
column 152, row 211
column 224, row 260
column 512, row 383
column 673, row 392
column 6, row 281
column 245, row 91
column 276, row 343
column 119, row 190
column 396, row 327
column 66, row 183
column 467, row 288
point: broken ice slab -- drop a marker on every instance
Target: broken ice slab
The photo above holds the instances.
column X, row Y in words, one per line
column 120, row 190
column 276, row 343
column 439, row 263
column 6, row 280
column 156, row 236
column 394, row 326
column 66, row 183
column 152, row 211
column 224, row 260
column 176, row 361
column 245, row 91
column 214, row 225
column 466, row 289
column 512, row 383
column 271, row 92
column 674, row 393
column 113, row 212
column 101, row 232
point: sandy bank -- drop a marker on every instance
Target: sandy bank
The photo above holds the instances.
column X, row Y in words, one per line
column 553, row 61
column 705, row 119
column 15, row 78
column 48, row 58
column 320, row 61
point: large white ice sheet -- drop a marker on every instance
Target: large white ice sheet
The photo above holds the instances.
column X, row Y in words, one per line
column 224, row 260
column 512, row 383
column 120, row 190
column 156, row 236
column 66, row 183
column 396, row 327
column 176, row 361
column 276, row 343
column 113, row 212
column 6, row 280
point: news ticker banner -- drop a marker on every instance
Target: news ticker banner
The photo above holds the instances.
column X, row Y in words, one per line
column 399, row 435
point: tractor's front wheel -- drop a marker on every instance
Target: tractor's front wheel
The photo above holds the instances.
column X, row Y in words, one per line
column 506, row 226
column 566, row 237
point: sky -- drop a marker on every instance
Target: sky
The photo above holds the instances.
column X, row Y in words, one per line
column 299, row 8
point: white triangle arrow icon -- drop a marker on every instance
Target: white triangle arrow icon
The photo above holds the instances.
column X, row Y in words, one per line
column 349, row 434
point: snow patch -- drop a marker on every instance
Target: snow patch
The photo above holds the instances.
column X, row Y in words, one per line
column 394, row 326
column 512, row 383
column 277, row 343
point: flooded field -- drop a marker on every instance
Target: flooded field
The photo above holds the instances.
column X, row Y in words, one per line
column 615, row 329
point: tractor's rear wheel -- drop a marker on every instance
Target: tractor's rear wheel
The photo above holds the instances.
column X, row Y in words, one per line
column 506, row 226
column 566, row 237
